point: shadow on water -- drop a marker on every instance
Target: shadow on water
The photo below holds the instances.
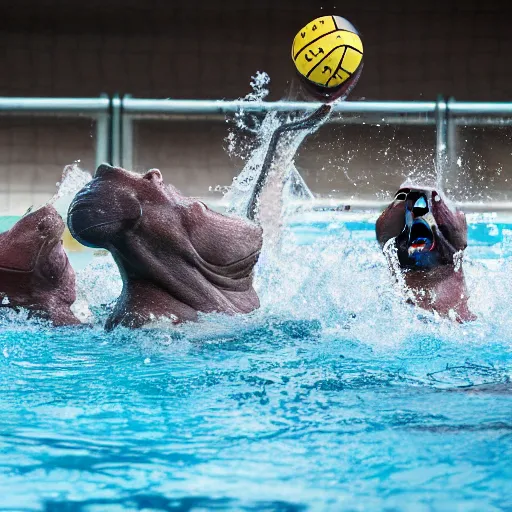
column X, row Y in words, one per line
column 505, row 428
column 163, row 504
column 100, row 459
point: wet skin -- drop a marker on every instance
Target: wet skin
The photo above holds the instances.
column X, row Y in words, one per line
column 176, row 257
column 34, row 270
column 430, row 239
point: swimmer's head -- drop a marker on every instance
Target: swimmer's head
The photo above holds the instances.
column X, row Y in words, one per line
column 427, row 232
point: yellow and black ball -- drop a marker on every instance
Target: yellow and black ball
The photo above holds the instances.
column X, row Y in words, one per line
column 328, row 53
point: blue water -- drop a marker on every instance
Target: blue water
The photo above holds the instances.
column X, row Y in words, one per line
column 335, row 396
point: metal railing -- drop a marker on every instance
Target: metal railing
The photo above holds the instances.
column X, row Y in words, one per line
column 115, row 117
column 348, row 112
column 444, row 115
column 97, row 109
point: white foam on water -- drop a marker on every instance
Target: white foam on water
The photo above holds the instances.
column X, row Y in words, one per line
column 98, row 285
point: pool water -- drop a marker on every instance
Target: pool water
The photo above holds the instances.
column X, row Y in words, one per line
column 334, row 396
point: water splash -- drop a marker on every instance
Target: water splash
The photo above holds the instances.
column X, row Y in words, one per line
column 242, row 123
column 390, row 252
column 73, row 179
column 283, row 182
column 98, row 287
column 286, row 182
column 238, row 195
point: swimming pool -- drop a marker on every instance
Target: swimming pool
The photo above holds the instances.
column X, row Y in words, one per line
column 334, row 396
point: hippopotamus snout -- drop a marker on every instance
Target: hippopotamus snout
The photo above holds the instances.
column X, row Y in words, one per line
column 103, row 208
column 33, row 237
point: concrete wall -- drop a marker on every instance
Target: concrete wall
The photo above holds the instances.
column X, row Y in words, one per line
column 200, row 49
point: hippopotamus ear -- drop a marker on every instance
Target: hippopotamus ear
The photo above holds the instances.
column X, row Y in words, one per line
column 452, row 224
column 153, row 175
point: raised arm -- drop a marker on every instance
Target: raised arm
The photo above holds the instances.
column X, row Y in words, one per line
column 306, row 123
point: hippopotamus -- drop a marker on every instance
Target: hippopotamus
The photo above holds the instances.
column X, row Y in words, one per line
column 35, row 273
column 429, row 238
column 177, row 257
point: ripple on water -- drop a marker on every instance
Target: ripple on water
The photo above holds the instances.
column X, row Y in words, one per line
column 335, row 395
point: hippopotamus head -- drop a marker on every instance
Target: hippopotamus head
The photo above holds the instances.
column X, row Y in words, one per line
column 175, row 255
column 428, row 234
column 427, row 231
column 34, row 270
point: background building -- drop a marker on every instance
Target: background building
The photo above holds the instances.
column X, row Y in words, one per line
column 201, row 49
